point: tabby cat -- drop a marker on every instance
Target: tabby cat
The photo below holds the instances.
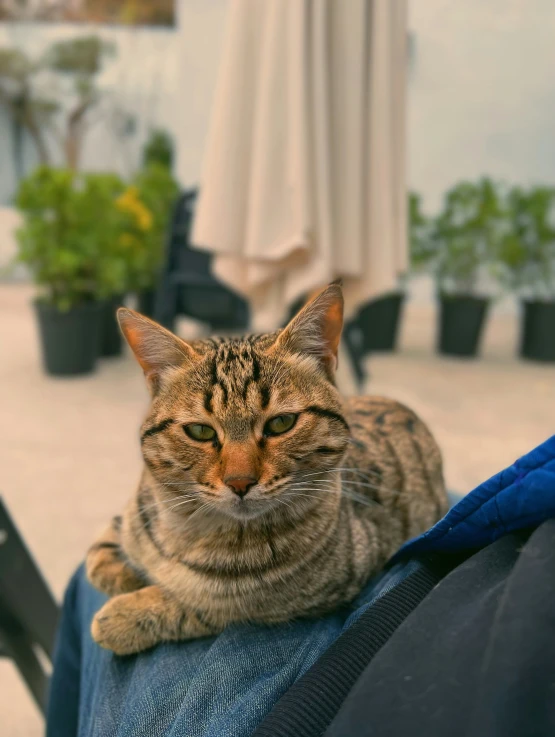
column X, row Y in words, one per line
column 264, row 496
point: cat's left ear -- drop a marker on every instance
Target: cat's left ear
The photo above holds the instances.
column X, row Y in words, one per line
column 316, row 329
column 155, row 348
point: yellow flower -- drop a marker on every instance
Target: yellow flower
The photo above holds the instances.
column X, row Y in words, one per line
column 144, row 217
column 126, row 200
column 130, row 202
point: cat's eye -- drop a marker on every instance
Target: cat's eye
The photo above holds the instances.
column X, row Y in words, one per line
column 280, row 424
column 200, row 432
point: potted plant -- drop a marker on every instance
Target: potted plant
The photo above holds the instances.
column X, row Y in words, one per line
column 130, row 242
column 463, row 239
column 63, row 266
column 148, row 205
column 67, row 247
column 526, row 261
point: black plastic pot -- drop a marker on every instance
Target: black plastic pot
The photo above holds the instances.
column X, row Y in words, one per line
column 537, row 330
column 145, row 302
column 69, row 339
column 110, row 339
column 379, row 322
column 461, row 323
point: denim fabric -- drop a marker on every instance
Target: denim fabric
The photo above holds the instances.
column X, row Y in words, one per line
column 216, row 687
column 225, row 686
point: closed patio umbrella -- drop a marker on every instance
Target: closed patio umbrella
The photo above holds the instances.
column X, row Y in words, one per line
column 304, row 171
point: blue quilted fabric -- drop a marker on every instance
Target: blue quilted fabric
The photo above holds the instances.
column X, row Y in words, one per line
column 523, row 495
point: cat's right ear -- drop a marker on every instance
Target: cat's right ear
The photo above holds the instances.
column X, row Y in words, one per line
column 155, row 348
column 316, row 329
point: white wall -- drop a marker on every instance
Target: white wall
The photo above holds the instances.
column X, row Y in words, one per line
column 482, row 92
column 164, row 77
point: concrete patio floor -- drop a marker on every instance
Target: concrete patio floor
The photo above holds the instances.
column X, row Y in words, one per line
column 69, row 455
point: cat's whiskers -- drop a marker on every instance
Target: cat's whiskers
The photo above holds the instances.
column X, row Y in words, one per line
column 175, row 483
column 307, row 496
column 349, row 494
column 180, row 485
column 180, row 504
column 278, row 486
column 367, row 474
column 158, row 503
column 206, row 505
column 283, row 501
column 348, row 482
column 377, row 487
column 342, row 490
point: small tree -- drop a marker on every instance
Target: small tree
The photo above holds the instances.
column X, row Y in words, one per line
column 76, row 65
column 30, row 111
column 158, row 149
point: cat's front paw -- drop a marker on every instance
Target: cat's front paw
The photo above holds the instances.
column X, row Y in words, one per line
column 124, row 626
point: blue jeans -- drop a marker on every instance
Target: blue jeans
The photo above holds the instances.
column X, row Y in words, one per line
column 215, row 687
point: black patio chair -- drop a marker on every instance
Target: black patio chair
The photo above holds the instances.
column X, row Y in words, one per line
column 374, row 329
column 28, row 612
column 187, row 286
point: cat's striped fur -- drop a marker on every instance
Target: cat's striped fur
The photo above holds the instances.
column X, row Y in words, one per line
column 333, row 497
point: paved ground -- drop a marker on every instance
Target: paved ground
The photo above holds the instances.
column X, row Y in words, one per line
column 69, row 454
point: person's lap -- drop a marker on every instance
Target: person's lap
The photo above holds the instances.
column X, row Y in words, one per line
column 226, row 685
column 211, row 687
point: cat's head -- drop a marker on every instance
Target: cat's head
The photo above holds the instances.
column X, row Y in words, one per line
column 243, row 424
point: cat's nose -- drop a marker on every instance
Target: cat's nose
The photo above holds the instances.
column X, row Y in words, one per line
column 240, row 484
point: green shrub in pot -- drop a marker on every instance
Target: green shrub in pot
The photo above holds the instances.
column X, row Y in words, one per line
column 132, row 240
column 526, row 266
column 464, row 238
column 67, row 241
